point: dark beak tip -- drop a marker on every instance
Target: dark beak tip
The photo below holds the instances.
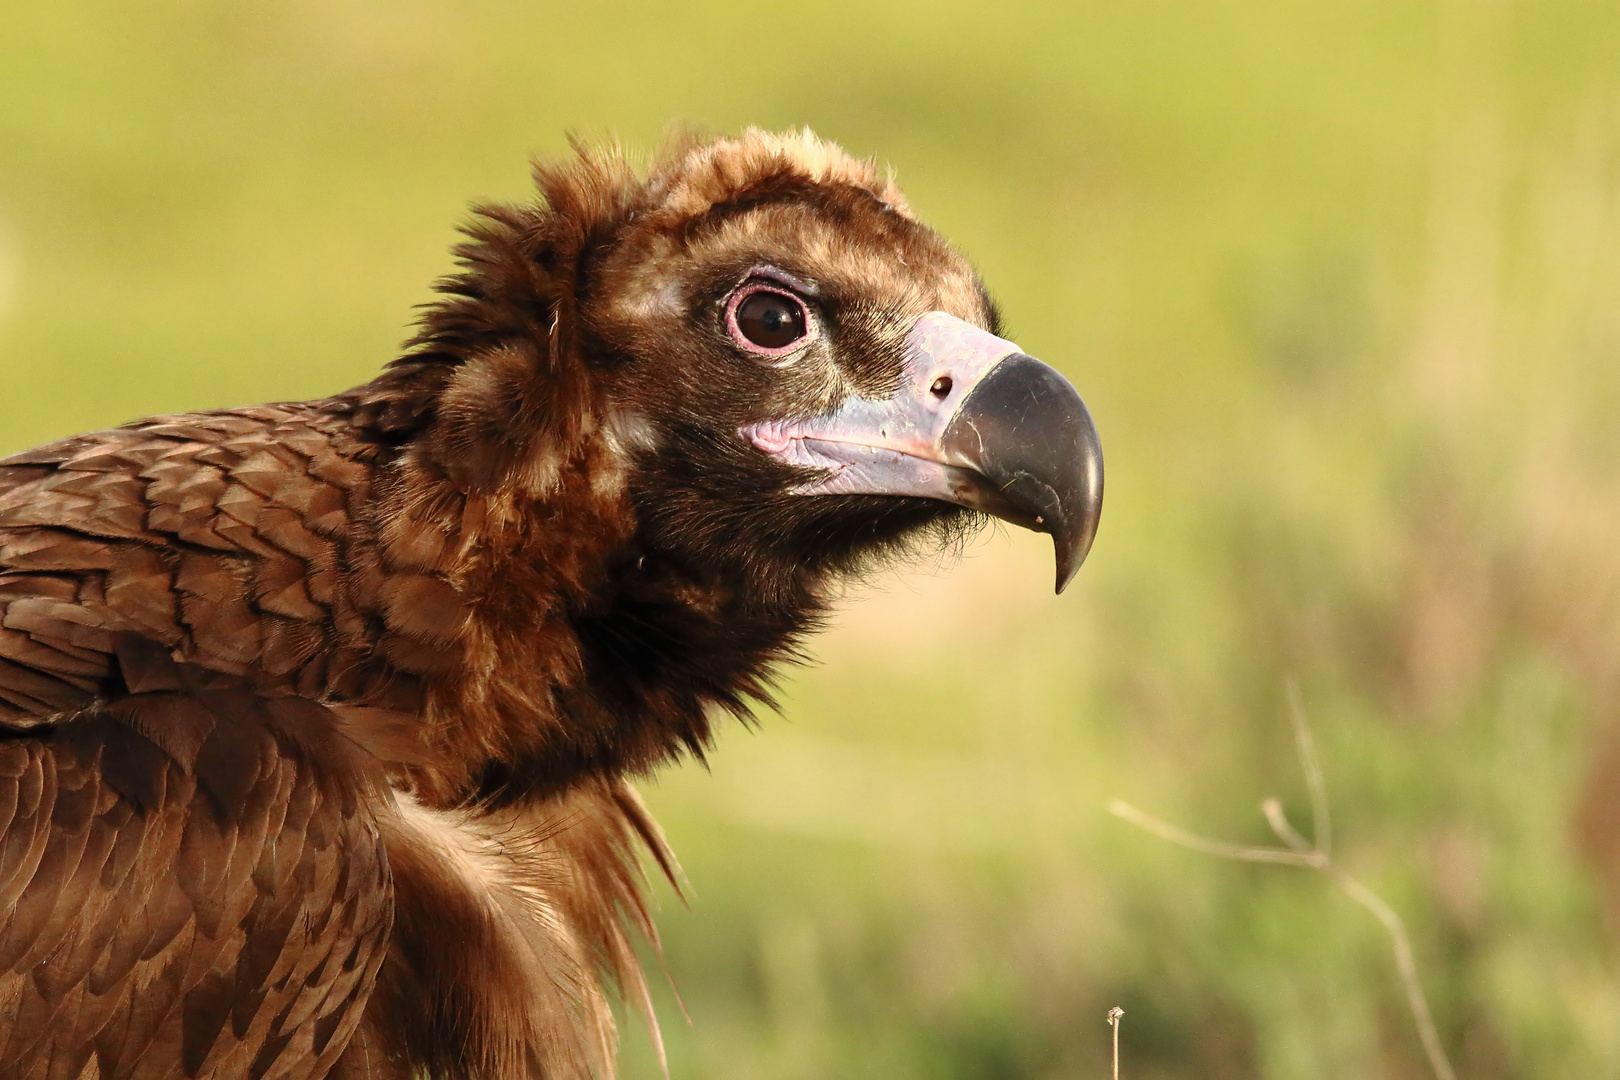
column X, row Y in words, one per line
column 1071, row 550
column 1028, row 432
column 1066, row 569
column 1076, row 530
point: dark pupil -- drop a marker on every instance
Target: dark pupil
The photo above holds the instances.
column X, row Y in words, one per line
column 770, row 320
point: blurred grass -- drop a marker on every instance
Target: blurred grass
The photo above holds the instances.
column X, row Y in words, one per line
column 1341, row 282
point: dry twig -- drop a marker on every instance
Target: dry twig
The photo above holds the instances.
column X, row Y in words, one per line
column 1114, row 1016
column 1314, row 855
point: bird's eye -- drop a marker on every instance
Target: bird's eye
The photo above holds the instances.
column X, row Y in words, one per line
column 766, row 320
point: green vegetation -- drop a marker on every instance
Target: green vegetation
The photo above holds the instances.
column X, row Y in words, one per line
column 1341, row 283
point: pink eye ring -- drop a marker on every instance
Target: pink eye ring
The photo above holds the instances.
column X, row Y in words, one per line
column 767, row 320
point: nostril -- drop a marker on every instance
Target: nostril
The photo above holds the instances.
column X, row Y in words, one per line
column 941, row 387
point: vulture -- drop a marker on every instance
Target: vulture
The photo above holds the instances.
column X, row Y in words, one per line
column 318, row 718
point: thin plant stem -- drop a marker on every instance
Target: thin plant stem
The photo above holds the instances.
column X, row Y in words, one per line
column 1392, row 922
column 1220, row 849
column 1297, row 851
column 1315, row 783
column 1115, row 1015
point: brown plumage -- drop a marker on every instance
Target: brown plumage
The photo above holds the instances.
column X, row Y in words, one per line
column 315, row 717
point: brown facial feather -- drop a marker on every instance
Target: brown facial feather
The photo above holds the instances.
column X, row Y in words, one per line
column 531, row 557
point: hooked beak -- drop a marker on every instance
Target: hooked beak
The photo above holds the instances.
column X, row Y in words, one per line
column 975, row 422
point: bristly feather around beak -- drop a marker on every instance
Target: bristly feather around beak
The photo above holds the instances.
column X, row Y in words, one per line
column 975, row 422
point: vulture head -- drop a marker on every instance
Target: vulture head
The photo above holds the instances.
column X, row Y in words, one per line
column 728, row 382
column 815, row 376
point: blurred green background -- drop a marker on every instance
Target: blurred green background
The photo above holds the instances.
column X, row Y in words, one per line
column 1340, row 280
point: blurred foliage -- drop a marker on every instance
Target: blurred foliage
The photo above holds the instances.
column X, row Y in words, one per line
column 1341, row 282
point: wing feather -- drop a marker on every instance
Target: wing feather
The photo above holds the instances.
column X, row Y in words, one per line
column 225, row 920
column 235, row 545
column 193, row 878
